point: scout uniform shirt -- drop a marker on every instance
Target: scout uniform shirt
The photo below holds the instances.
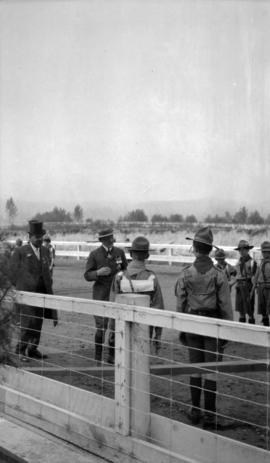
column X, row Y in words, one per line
column 202, row 289
column 262, row 279
column 245, row 271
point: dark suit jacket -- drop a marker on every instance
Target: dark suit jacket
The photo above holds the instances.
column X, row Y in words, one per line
column 99, row 258
column 28, row 273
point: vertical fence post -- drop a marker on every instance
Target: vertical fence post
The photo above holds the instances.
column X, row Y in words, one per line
column 132, row 379
column 78, row 251
column 169, row 255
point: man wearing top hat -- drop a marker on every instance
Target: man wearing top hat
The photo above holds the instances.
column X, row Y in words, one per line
column 30, row 271
column 245, row 271
column 101, row 266
column 203, row 290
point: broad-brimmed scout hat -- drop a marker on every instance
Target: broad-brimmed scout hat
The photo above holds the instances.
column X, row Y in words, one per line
column 265, row 246
column 140, row 244
column 36, row 228
column 105, row 233
column 243, row 244
column 220, row 254
column 204, row 235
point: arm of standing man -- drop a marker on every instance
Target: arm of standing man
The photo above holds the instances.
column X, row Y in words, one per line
column 91, row 269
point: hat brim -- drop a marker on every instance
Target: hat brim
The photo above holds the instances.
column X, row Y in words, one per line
column 105, row 236
column 140, row 250
column 243, row 247
column 200, row 241
column 42, row 233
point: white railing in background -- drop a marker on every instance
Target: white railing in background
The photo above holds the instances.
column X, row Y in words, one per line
column 167, row 252
column 177, row 253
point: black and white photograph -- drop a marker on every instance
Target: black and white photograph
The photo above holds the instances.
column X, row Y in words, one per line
column 134, row 231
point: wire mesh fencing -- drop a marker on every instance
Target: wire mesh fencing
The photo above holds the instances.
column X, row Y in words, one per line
column 154, row 374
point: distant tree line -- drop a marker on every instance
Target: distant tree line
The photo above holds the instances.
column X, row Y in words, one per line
column 58, row 214
column 240, row 217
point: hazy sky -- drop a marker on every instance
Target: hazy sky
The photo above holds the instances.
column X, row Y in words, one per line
column 134, row 99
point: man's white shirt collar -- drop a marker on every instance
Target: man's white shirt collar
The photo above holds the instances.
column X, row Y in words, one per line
column 36, row 250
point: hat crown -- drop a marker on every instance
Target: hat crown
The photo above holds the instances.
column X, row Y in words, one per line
column 36, row 228
column 243, row 244
column 265, row 246
column 220, row 254
column 204, row 235
column 140, row 244
column 105, row 233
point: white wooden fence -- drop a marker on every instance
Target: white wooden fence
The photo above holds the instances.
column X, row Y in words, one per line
column 123, row 429
column 170, row 253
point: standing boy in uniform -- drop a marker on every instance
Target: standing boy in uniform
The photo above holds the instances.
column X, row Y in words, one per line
column 101, row 266
column 203, row 290
column 245, row 271
column 138, row 279
column 262, row 283
column 227, row 268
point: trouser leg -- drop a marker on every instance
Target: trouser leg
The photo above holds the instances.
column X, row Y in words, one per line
column 210, row 388
column 36, row 326
column 195, row 391
column 111, row 342
column 25, row 315
column 101, row 325
column 157, row 338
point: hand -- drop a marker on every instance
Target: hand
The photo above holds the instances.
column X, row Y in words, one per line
column 103, row 271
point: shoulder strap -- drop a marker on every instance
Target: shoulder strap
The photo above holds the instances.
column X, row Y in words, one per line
column 126, row 274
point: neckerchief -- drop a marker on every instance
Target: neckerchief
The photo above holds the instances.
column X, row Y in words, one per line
column 203, row 264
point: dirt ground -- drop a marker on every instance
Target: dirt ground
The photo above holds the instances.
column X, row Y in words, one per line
column 242, row 397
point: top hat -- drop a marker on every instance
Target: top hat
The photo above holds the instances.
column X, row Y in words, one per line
column 220, row 254
column 140, row 244
column 36, row 228
column 243, row 244
column 265, row 246
column 105, row 233
column 204, row 236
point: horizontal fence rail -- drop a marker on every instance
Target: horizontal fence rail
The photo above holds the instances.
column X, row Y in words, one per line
column 139, row 407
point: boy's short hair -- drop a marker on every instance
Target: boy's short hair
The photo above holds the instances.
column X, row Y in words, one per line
column 139, row 255
column 202, row 248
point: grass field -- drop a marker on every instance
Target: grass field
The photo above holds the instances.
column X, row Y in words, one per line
column 241, row 400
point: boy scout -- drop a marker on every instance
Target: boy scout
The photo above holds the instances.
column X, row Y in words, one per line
column 227, row 268
column 203, row 290
column 245, row 271
column 138, row 279
column 262, row 283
